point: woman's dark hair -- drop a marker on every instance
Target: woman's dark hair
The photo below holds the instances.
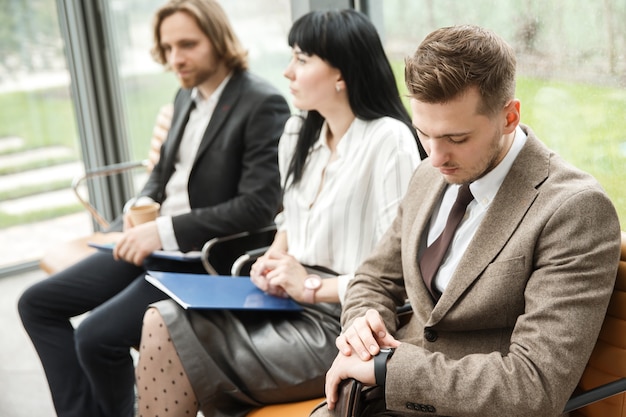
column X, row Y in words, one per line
column 347, row 40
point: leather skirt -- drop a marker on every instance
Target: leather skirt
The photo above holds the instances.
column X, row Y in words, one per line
column 239, row 360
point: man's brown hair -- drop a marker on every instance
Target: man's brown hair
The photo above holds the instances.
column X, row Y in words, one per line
column 212, row 20
column 452, row 59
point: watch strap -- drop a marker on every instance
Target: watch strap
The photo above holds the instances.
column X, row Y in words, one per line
column 380, row 365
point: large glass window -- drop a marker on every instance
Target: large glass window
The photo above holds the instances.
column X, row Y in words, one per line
column 39, row 151
column 40, row 148
column 145, row 85
column 571, row 70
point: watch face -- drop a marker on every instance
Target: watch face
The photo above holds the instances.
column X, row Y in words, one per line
column 313, row 283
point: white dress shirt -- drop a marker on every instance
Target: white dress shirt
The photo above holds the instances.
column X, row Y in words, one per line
column 484, row 190
column 176, row 199
column 338, row 224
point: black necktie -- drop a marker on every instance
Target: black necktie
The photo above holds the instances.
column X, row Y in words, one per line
column 432, row 256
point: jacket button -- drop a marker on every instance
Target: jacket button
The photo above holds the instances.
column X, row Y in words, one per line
column 430, row 335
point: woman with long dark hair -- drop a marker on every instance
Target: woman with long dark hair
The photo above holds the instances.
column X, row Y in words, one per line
column 345, row 163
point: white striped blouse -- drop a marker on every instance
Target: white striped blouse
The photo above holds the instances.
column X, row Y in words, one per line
column 338, row 225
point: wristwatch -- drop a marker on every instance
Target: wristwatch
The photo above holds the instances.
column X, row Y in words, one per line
column 312, row 283
column 380, row 365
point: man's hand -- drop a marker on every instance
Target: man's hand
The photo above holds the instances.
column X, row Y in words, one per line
column 365, row 336
column 137, row 243
column 345, row 367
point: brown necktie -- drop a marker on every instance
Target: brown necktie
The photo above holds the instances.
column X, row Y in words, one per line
column 432, row 256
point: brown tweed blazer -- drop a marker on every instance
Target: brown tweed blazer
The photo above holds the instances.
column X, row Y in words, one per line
column 512, row 332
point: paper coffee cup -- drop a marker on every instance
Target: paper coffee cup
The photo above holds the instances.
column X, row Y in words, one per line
column 144, row 213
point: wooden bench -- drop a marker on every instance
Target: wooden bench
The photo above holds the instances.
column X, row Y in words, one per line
column 295, row 409
column 604, row 379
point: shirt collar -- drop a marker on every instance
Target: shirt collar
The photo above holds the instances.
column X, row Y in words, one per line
column 321, row 139
column 485, row 189
column 200, row 100
column 344, row 142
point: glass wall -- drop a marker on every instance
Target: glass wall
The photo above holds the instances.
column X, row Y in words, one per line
column 571, row 70
column 40, row 147
column 572, row 74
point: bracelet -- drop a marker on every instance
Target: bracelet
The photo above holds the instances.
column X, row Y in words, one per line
column 380, row 365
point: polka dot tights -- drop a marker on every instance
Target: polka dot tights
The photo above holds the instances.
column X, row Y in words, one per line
column 163, row 389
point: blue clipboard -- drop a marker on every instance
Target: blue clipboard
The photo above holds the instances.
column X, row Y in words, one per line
column 193, row 256
column 203, row 291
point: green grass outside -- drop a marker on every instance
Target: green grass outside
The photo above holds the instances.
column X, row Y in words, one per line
column 41, row 118
column 145, row 97
column 7, row 220
column 36, row 165
column 583, row 123
column 46, row 118
column 27, row 191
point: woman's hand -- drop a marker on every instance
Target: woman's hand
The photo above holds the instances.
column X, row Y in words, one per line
column 280, row 274
column 258, row 272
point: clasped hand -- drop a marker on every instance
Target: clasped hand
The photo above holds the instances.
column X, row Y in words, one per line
column 280, row 274
column 357, row 345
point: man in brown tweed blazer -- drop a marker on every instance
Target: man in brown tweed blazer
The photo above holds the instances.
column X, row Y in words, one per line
column 522, row 291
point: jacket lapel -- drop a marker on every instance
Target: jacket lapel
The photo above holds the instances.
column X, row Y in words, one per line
column 425, row 199
column 177, row 129
column 500, row 222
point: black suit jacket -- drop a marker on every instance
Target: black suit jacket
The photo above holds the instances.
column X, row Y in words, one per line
column 234, row 184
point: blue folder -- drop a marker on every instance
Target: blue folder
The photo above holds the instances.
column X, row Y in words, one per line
column 203, row 291
column 193, row 256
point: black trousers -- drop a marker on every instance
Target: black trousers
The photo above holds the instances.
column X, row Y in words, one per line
column 89, row 369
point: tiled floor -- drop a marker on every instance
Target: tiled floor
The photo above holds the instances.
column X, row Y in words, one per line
column 23, row 388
